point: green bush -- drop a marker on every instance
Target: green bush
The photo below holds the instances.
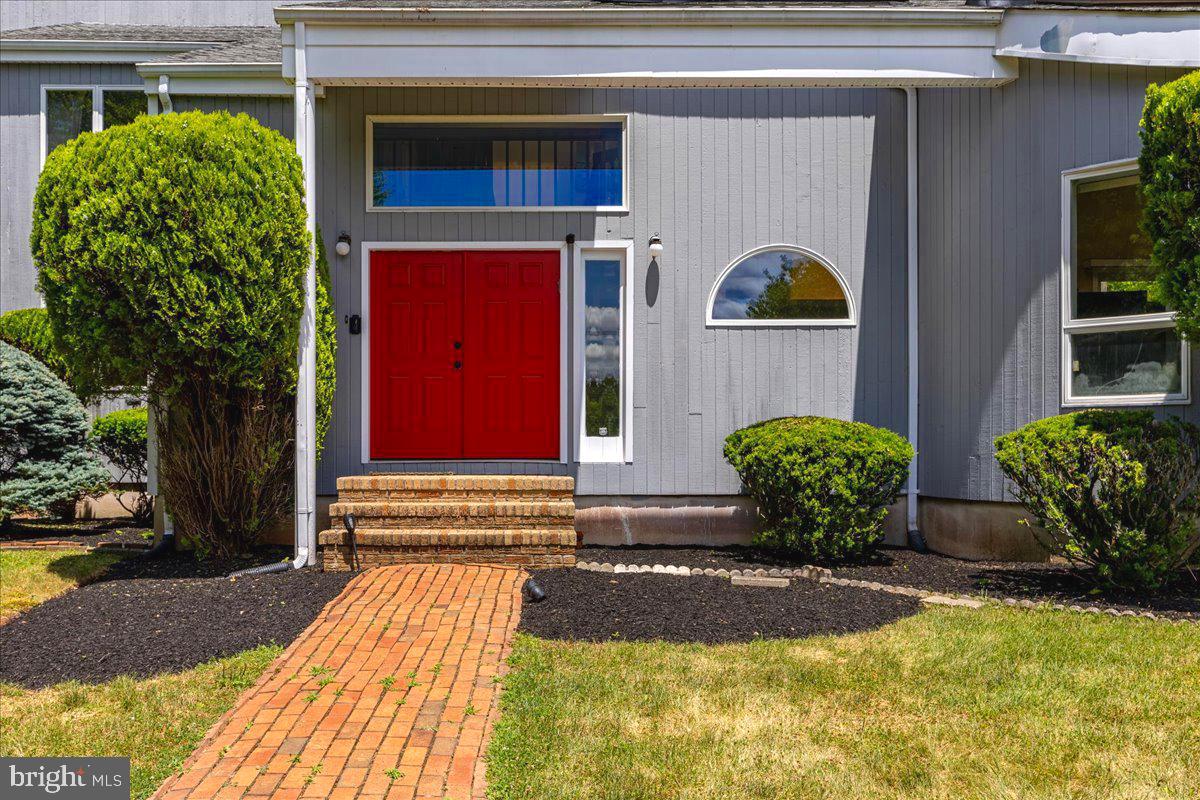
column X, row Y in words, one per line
column 1116, row 491
column 822, row 485
column 121, row 438
column 28, row 329
column 1170, row 179
column 172, row 253
column 44, row 460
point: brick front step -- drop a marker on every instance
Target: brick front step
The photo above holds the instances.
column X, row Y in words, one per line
column 456, row 514
column 533, row 548
column 526, row 520
column 477, row 488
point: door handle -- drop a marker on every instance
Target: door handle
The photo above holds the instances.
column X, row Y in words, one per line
column 458, row 365
column 458, row 345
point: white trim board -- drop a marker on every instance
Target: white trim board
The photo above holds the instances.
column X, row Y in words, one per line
column 365, row 335
column 597, row 450
column 1072, row 325
column 851, row 306
column 485, row 119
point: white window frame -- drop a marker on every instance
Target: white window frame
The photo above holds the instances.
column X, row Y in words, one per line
column 481, row 119
column 604, row 449
column 850, row 321
column 97, row 91
column 1136, row 322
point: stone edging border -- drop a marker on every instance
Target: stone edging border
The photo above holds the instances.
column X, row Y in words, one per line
column 53, row 544
column 825, row 575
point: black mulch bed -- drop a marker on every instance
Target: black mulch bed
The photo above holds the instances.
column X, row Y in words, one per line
column 85, row 533
column 902, row 567
column 150, row 616
column 603, row 607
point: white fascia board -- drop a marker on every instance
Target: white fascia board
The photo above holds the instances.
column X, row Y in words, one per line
column 218, row 83
column 88, row 51
column 1161, row 39
column 648, row 55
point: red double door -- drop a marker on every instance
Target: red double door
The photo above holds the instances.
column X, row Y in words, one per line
column 464, row 355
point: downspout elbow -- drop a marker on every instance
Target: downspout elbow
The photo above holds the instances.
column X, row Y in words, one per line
column 164, row 96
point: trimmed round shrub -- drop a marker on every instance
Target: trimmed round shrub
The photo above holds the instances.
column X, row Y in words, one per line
column 28, row 329
column 172, row 253
column 121, row 438
column 822, row 485
column 1116, row 492
column 44, row 460
column 1170, row 178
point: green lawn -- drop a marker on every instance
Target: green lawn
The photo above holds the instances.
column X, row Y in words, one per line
column 951, row 703
column 29, row 577
column 157, row 722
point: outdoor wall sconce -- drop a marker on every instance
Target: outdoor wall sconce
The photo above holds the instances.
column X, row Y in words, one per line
column 656, row 246
column 342, row 248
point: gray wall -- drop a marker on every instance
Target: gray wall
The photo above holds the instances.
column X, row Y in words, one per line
column 990, row 189
column 274, row 112
column 20, row 161
column 716, row 172
column 32, row 13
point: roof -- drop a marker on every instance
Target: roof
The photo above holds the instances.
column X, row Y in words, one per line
column 434, row 5
column 197, row 45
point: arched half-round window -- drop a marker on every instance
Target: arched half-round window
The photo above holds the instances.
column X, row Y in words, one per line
column 780, row 285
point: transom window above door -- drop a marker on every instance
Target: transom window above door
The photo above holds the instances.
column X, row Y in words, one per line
column 1120, row 346
column 480, row 163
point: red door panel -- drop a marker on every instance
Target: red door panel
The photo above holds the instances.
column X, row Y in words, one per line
column 416, row 391
column 510, row 355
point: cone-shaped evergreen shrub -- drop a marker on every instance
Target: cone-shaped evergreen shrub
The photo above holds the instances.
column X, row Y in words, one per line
column 172, row 253
column 822, row 485
column 1170, row 173
column 44, row 460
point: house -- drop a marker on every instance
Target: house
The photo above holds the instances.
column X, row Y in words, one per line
column 590, row 238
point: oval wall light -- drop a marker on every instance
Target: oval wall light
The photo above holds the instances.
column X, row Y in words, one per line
column 656, row 246
column 342, row 248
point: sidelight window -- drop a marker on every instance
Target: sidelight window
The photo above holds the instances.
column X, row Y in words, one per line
column 603, row 352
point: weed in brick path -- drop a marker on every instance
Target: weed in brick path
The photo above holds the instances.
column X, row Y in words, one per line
column 223, row 752
column 393, row 774
column 295, row 759
column 387, row 682
column 313, row 773
column 311, row 697
column 325, row 681
column 437, row 668
column 340, row 690
column 317, row 670
column 470, row 711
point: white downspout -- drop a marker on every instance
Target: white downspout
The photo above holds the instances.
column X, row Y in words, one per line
column 915, row 538
column 164, row 96
column 306, row 388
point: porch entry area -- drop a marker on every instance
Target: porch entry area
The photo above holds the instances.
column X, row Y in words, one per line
column 464, row 354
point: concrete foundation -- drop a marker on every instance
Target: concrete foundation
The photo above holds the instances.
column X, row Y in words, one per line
column 710, row 521
column 979, row 530
column 967, row 529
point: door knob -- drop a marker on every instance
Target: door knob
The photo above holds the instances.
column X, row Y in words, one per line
column 458, row 345
column 458, row 365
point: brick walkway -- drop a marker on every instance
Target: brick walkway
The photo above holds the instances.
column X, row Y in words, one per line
column 389, row 693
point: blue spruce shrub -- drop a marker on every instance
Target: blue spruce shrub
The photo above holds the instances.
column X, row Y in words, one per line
column 44, row 460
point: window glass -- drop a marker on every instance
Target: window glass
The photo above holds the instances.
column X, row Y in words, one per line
column 1126, row 363
column 602, row 347
column 780, row 285
column 510, row 165
column 1112, row 255
column 122, row 107
column 68, row 114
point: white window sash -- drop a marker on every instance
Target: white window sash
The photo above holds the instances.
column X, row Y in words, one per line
column 97, row 91
column 604, row 449
column 1091, row 178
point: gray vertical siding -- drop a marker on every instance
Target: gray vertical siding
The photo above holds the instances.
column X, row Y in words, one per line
column 716, row 172
column 20, row 161
column 274, row 112
column 990, row 188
